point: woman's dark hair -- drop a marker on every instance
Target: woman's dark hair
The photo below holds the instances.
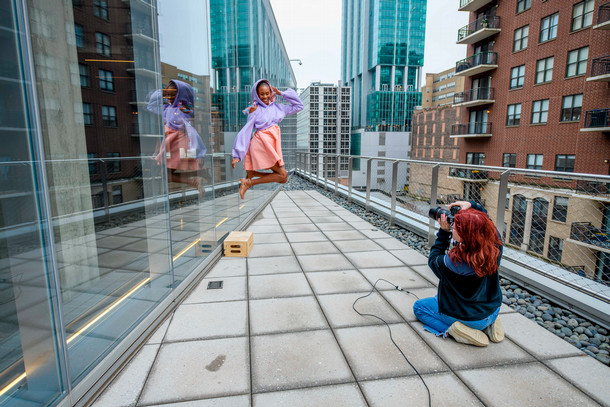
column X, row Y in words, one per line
column 480, row 246
column 261, row 83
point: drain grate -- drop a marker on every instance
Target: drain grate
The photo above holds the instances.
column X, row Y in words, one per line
column 214, row 285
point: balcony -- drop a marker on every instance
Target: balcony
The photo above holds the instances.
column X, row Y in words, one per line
column 474, row 97
column 585, row 234
column 477, row 63
column 471, row 130
column 600, row 70
column 481, row 28
column 603, row 17
column 597, row 120
column 472, row 5
column 468, row 175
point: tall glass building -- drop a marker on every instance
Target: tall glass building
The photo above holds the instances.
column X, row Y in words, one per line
column 104, row 223
column 247, row 46
column 382, row 56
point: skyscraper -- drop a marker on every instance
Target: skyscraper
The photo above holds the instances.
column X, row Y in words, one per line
column 383, row 52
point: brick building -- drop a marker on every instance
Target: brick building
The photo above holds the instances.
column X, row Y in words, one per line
column 440, row 88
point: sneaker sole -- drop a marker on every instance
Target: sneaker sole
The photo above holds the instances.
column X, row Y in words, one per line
column 462, row 334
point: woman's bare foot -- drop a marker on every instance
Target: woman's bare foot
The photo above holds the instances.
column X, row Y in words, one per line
column 245, row 184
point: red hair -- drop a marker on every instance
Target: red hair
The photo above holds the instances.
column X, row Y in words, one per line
column 480, row 242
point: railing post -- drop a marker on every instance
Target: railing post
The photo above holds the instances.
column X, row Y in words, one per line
column 105, row 190
column 317, row 169
column 337, row 159
column 502, row 191
column 433, row 193
column 394, row 182
column 325, row 172
column 349, row 179
column 368, row 183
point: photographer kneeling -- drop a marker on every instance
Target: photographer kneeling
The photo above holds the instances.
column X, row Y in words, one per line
column 469, row 298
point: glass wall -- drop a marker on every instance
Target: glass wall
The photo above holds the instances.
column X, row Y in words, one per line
column 115, row 179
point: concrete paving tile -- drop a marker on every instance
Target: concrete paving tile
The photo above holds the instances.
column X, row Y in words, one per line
column 535, row 339
column 114, row 242
column 586, row 373
column 126, row 387
column 261, row 238
column 372, row 355
column 324, row 262
column 282, row 213
column 295, row 220
column 360, row 245
column 271, row 250
column 403, row 302
column 399, row 276
column 294, row 360
column 335, row 282
column 233, row 289
column 524, row 385
column 232, row 401
column 115, row 259
column 446, row 390
column 265, row 222
column 313, row 248
column 285, row 314
column 460, row 356
column 334, row 226
column 391, row 244
column 339, row 312
column 300, row 227
column 374, row 233
column 505, row 309
column 342, row 395
column 198, row 369
column 207, row 321
column 278, row 285
column 159, row 334
column 326, row 219
column 296, row 237
column 265, row 229
column 410, row 257
column 336, row 235
column 372, row 259
column 228, row 267
column 272, row 265
column 426, row 272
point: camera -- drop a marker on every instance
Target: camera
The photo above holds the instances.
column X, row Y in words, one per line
column 435, row 213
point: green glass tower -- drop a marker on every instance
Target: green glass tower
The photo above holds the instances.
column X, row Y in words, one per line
column 382, row 56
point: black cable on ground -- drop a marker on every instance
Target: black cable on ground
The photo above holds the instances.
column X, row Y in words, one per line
column 390, row 330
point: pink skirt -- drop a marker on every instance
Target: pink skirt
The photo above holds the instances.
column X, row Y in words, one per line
column 265, row 150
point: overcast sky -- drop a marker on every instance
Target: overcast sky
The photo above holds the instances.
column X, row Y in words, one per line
column 311, row 30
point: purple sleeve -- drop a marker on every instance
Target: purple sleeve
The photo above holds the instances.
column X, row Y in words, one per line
column 291, row 97
column 155, row 102
column 242, row 140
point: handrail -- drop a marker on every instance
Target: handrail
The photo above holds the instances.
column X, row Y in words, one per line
column 480, row 58
column 603, row 13
column 478, row 24
column 600, row 66
column 473, row 94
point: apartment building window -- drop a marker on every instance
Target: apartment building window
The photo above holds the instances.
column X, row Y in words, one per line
column 509, row 160
column 577, row 62
column 100, row 9
column 87, row 114
column 544, row 70
column 560, row 208
column 113, row 166
column 79, row 34
column 513, row 116
column 548, row 27
column 534, row 161
column 523, row 5
column 475, row 158
column 555, row 248
column 571, row 107
column 520, row 38
column 84, row 75
column 109, row 116
column 102, row 44
column 582, row 14
column 517, row 76
column 106, row 80
column 92, row 164
column 564, row 162
column 540, row 111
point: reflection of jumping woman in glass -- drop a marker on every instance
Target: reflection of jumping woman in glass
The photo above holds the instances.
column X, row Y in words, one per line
column 264, row 151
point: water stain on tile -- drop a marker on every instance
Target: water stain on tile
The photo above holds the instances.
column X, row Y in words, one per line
column 216, row 363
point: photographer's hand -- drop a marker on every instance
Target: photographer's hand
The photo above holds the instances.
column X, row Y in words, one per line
column 461, row 204
column 442, row 221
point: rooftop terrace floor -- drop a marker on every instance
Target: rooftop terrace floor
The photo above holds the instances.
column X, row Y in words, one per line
column 282, row 331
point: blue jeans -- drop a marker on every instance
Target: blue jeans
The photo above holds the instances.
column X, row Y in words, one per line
column 426, row 310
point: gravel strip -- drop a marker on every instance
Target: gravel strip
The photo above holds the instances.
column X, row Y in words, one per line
column 589, row 337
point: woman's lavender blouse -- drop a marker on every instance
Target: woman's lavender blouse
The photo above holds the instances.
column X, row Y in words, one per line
column 264, row 117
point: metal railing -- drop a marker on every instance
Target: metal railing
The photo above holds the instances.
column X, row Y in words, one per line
column 600, row 66
column 481, row 58
column 478, row 24
column 473, row 95
column 534, row 210
column 597, row 118
column 603, row 13
column 471, row 128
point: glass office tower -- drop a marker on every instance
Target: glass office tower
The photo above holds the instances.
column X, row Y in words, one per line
column 104, row 224
column 247, row 46
column 382, row 56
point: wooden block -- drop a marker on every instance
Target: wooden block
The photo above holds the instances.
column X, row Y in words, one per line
column 209, row 240
column 238, row 244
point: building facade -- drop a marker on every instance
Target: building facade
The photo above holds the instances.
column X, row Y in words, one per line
column 324, row 124
column 440, row 87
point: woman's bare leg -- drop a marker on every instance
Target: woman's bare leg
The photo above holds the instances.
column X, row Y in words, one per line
column 278, row 175
column 252, row 174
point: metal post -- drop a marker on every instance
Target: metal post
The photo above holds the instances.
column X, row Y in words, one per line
column 433, row 193
column 349, row 179
column 394, row 182
column 502, row 191
column 104, row 190
column 368, row 182
column 325, row 172
column 317, row 168
column 337, row 159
